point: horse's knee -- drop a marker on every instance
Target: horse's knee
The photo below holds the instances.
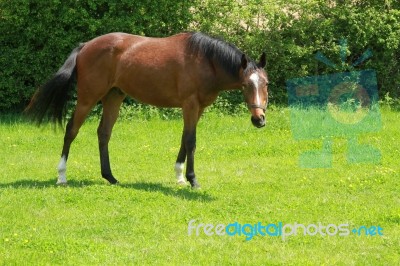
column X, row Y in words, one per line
column 103, row 134
column 190, row 142
column 71, row 131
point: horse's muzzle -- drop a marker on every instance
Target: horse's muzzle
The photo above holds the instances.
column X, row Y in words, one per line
column 258, row 121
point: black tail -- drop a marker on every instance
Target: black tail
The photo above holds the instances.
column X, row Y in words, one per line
column 49, row 103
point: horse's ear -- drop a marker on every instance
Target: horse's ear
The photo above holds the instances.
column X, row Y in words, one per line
column 263, row 61
column 244, row 61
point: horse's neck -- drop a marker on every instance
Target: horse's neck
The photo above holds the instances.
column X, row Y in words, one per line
column 226, row 81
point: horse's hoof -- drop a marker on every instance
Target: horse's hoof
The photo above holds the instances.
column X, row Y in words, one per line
column 181, row 182
column 110, row 179
column 61, row 180
column 195, row 185
column 113, row 182
column 62, row 183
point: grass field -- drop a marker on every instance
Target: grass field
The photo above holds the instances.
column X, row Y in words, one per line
column 248, row 175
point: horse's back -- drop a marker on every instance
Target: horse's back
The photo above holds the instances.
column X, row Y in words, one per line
column 129, row 47
column 157, row 71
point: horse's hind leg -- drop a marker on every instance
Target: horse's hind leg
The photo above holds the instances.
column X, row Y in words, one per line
column 71, row 132
column 111, row 104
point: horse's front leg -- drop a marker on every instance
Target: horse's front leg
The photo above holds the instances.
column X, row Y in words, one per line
column 190, row 146
column 180, row 162
column 191, row 115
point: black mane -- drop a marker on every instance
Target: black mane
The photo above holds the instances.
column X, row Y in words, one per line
column 225, row 54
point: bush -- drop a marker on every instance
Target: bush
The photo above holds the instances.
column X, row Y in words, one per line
column 38, row 35
column 292, row 31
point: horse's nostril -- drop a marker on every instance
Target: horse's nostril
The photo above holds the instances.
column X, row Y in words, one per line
column 259, row 121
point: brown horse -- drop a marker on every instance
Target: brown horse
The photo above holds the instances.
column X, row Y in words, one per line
column 186, row 70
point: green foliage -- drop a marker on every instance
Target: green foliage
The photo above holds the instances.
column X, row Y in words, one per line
column 36, row 36
column 292, row 31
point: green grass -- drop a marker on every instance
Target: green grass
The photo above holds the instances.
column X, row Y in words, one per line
column 247, row 175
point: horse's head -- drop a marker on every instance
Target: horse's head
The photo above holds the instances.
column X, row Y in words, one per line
column 255, row 89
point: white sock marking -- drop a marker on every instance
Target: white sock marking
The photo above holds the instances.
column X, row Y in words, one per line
column 179, row 173
column 62, row 169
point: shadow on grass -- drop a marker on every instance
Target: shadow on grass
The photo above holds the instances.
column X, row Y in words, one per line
column 185, row 192
column 30, row 183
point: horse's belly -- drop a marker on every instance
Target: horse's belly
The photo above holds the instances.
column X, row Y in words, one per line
column 152, row 90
